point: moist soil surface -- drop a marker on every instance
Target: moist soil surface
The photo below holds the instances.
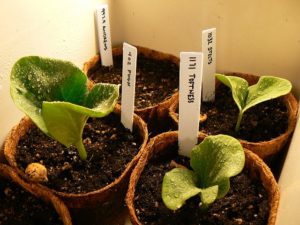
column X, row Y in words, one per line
column 262, row 122
column 245, row 203
column 18, row 206
column 110, row 147
column 156, row 80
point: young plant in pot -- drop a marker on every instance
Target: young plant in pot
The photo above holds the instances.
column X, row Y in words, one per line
column 87, row 160
column 157, row 83
column 260, row 111
column 30, row 204
column 221, row 183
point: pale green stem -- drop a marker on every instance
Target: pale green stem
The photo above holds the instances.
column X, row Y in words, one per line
column 238, row 123
column 81, row 149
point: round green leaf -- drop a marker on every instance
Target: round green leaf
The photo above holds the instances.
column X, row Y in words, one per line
column 238, row 86
column 209, row 195
column 215, row 160
column 178, row 185
column 102, row 99
column 267, row 87
column 35, row 79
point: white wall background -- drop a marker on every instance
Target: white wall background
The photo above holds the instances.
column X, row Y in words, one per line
column 260, row 37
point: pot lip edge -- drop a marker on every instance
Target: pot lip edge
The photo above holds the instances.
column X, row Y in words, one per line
column 26, row 119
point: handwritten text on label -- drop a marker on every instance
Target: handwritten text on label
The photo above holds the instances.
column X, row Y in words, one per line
column 190, row 77
column 210, row 49
column 209, row 64
column 129, row 70
column 192, row 66
column 128, row 84
column 104, row 29
column 102, row 15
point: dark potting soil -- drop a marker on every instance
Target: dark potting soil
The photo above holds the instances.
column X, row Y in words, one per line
column 18, row 206
column 246, row 202
column 262, row 122
column 156, row 80
column 110, row 147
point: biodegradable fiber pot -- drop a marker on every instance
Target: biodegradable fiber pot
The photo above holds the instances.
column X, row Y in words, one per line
column 159, row 110
column 38, row 191
column 113, row 192
column 161, row 145
column 267, row 148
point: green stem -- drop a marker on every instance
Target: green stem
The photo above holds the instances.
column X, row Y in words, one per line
column 238, row 123
column 81, row 150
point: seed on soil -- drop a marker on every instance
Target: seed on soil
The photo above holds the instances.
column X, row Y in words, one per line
column 36, row 172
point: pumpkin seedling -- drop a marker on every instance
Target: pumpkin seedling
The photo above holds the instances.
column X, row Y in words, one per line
column 55, row 95
column 214, row 161
column 245, row 97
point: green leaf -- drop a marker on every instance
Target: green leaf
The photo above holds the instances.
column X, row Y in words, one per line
column 238, row 86
column 102, row 99
column 178, row 185
column 215, row 160
column 267, row 87
column 54, row 94
column 35, row 79
column 209, row 195
column 65, row 124
column 65, row 121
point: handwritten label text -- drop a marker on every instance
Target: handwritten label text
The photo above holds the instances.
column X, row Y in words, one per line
column 209, row 63
column 189, row 100
column 128, row 84
column 104, row 35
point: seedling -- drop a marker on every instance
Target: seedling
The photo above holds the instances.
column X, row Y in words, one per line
column 214, row 161
column 245, row 97
column 55, row 95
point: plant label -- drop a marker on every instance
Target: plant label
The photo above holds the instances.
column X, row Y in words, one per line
column 128, row 84
column 104, row 38
column 190, row 78
column 209, row 64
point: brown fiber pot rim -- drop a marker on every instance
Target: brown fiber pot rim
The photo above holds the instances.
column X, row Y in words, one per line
column 263, row 149
column 149, row 53
column 255, row 165
column 39, row 192
column 84, row 199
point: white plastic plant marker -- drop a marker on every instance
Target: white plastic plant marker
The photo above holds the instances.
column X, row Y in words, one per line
column 209, row 64
column 104, row 37
column 190, row 78
column 128, row 85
